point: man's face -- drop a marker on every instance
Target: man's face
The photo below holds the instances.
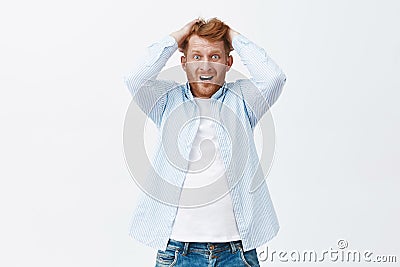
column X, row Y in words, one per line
column 205, row 64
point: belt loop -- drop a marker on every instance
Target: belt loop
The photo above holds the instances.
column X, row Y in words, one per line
column 233, row 247
column 185, row 248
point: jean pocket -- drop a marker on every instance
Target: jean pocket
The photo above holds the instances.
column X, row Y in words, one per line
column 249, row 257
column 167, row 257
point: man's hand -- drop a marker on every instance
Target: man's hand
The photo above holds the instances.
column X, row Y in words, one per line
column 181, row 34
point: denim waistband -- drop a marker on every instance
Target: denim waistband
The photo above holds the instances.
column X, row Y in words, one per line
column 205, row 246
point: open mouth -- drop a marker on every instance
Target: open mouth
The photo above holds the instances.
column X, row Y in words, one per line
column 206, row 77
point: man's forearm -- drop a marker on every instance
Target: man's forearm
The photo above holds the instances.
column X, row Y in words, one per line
column 147, row 70
column 261, row 67
column 266, row 82
column 149, row 93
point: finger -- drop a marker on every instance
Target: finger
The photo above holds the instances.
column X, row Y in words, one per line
column 195, row 21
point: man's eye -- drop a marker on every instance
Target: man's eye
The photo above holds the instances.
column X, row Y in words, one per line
column 196, row 57
column 215, row 57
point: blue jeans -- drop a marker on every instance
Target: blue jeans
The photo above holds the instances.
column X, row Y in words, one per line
column 193, row 254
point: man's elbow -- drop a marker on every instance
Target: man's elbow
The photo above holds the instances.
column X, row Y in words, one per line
column 279, row 81
column 282, row 78
column 132, row 82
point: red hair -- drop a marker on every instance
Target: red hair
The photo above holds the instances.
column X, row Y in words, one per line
column 212, row 30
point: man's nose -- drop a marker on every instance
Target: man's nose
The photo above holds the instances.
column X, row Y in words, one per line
column 205, row 65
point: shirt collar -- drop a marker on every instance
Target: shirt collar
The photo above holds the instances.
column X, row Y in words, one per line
column 216, row 95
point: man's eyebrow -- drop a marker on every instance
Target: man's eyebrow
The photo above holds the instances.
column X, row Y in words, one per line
column 211, row 52
column 216, row 51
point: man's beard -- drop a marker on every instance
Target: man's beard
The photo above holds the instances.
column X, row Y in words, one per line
column 204, row 88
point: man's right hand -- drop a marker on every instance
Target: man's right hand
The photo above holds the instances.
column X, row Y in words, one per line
column 181, row 34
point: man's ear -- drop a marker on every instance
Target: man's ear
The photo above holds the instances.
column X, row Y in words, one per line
column 183, row 62
column 229, row 62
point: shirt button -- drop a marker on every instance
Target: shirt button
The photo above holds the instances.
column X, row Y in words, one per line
column 211, row 247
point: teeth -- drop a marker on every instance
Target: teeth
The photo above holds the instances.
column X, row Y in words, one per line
column 205, row 77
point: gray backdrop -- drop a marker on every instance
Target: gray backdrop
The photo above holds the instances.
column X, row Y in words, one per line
column 66, row 195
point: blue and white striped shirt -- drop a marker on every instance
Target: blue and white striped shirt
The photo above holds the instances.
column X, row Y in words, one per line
column 239, row 106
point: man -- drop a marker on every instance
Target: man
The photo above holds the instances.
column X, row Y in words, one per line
column 206, row 202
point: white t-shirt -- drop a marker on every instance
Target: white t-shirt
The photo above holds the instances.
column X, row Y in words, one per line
column 215, row 221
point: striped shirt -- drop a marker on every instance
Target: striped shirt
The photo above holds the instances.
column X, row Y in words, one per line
column 237, row 106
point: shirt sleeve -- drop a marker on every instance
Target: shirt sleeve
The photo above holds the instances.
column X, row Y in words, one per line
column 266, row 82
column 151, row 94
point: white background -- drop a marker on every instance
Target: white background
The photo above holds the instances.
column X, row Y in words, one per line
column 66, row 195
